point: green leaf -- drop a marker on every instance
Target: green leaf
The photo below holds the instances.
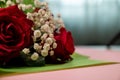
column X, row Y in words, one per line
column 77, row 62
column 28, row 2
column 2, row 4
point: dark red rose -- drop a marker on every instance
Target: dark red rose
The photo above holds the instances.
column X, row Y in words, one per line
column 15, row 32
column 65, row 46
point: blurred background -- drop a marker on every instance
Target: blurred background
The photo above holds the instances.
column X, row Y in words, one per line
column 92, row 22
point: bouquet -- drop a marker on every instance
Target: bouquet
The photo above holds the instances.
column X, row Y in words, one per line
column 30, row 35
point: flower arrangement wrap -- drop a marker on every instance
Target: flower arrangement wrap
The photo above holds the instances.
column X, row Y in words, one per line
column 30, row 35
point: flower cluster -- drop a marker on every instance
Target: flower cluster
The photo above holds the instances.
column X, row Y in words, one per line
column 30, row 30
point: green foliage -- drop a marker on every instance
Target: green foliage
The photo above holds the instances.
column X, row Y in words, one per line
column 2, row 4
column 28, row 2
column 29, row 62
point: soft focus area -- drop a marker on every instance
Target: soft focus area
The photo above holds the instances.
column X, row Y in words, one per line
column 92, row 22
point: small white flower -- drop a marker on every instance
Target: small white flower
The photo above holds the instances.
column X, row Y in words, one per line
column 46, row 46
column 9, row 3
column 37, row 33
column 37, row 3
column 49, row 40
column 52, row 26
column 35, row 14
column 51, row 53
column 44, row 36
column 51, row 21
column 44, row 53
column 54, row 45
column 59, row 59
column 28, row 6
column 45, row 28
column 20, row 6
column 45, row 16
column 47, row 22
column 2, row 0
column 33, row 8
column 44, row 3
column 42, row 12
column 23, row 7
column 19, row 1
column 60, row 22
column 36, row 46
column 51, row 35
column 35, row 56
column 37, row 24
column 26, row 50
column 42, row 21
column 34, row 38
column 50, row 30
column 29, row 16
column 39, row 49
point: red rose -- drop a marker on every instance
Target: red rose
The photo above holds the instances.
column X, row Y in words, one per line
column 65, row 46
column 15, row 32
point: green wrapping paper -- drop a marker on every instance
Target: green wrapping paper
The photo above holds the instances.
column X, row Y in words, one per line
column 77, row 62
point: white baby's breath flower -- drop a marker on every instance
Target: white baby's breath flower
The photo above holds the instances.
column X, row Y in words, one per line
column 33, row 8
column 34, row 38
column 51, row 35
column 54, row 45
column 26, row 51
column 36, row 46
column 39, row 49
column 60, row 22
column 42, row 12
column 37, row 33
column 51, row 21
column 9, row 3
column 47, row 22
column 50, row 30
column 2, row 0
column 49, row 40
column 45, row 16
column 44, row 36
column 29, row 16
column 19, row 1
column 35, row 14
column 44, row 3
column 29, row 6
column 46, row 46
column 36, row 20
column 37, row 3
column 42, row 21
column 44, row 53
column 22, row 7
column 37, row 24
column 35, row 56
column 45, row 28
column 51, row 53
column 52, row 26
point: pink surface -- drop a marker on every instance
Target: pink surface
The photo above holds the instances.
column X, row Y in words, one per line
column 105, row 72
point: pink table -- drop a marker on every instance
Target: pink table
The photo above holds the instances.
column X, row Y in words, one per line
column 105, row 72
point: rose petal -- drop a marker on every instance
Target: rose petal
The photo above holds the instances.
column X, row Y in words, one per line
column 15, row 32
